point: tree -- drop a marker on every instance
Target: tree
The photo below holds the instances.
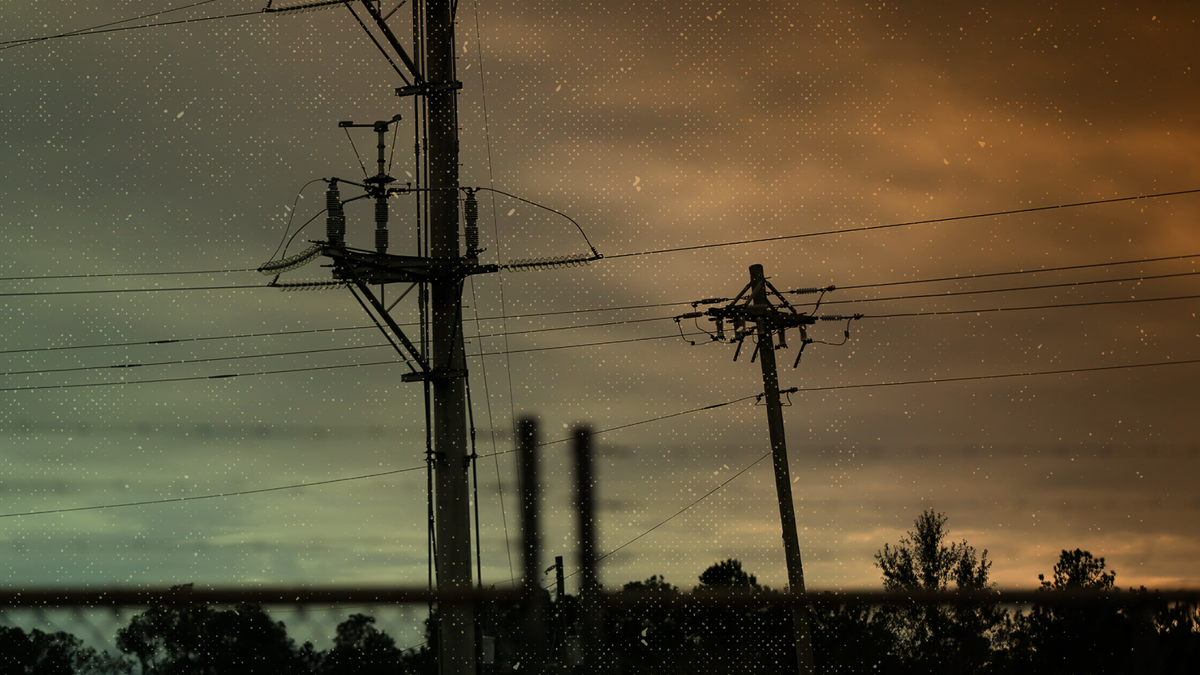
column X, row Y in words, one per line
column 1065, row 639
column 728, row 574
column 199, row 640
column 935, row 638
column 740, row 640
column 359, row 648
column 648, row 637
column 38, row 653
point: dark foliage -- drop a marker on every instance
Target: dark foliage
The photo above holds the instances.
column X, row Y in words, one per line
column 649, row 637
column 936, row 639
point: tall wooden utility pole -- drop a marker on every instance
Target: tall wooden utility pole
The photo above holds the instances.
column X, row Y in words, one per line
column 451, row 489
column 751, row 313
column 439, row 363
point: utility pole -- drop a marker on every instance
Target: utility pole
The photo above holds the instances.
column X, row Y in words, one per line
column 451, row 490
column 440, row 362
column 757, row 317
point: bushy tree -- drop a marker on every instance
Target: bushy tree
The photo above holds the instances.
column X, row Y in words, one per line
column 1069, row 639
column 648, row 637
column 741, row 639
column 199, row 640
column 359, row 648
column 39, row 653
column 938, row 639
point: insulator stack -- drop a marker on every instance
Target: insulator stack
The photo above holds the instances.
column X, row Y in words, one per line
column 553, row 262
column 301, row 7
column 315, row 285
column 288, row 264
column 381, row 218
column 471, row 225
column 335, row 218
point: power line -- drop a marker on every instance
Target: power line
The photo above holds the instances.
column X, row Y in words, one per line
column 1010, row 289
column 868, row 228
column 191, row 361
column 98, row 30
column 194, row 498
column 680, row 511
column 182, row 340
column 625, row 426
column 343, row 479
column 1009, row 273
column 809, row 389
column 1000, row 376
column 132, row 290
column 1028, row 308
column 634, row 424
column 573, row 346
column 202, row 377
column 127, row 274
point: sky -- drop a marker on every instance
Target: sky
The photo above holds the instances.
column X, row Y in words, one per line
column 655, row 126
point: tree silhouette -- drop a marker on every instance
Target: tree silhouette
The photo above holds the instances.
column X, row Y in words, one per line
column 740, row 640
column 648, row 637
column 359, row 648
column 38, row 653
column 199, row 640
column 933, row 638
column 1059, row 639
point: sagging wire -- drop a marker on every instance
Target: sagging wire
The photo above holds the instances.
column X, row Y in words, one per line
column 845, row 333
column 679, row 324
column 595, row 254
column 695, row 316
column 809, row 291
column 292, row 214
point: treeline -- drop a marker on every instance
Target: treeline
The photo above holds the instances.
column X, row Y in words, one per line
column 650, row 638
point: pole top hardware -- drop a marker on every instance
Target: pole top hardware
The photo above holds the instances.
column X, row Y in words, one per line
column 385, row 268
column 425, row 88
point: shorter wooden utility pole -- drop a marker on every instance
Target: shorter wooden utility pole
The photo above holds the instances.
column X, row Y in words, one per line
column 752, row 314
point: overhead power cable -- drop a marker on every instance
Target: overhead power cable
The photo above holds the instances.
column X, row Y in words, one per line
column 239, row 493
column 101, row 29
column 203, row 377
column 985, row 275
column 1012, row 289
column 680, row 512
column 999, row 376
column 929, row 221
column 182, row 340
column 293, row 486
column 131, row 290
column 126, row 274
column 192, row 361
column 625, row 426
column 1029, row 308
column 578, row 345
